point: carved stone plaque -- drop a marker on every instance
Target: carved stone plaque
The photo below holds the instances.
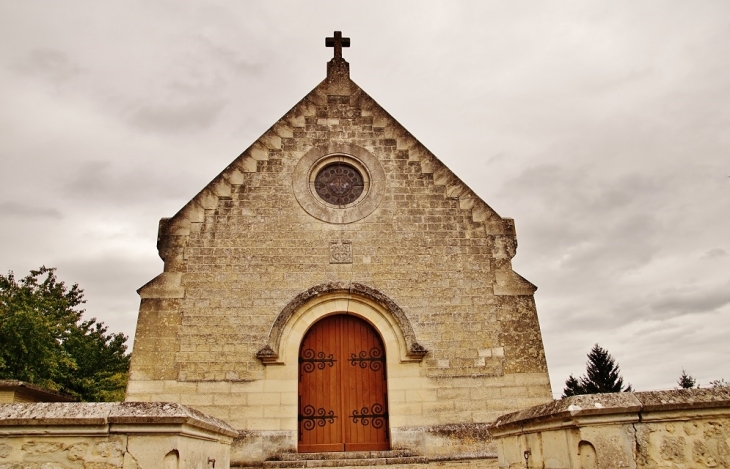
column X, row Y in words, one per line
column 341, row 252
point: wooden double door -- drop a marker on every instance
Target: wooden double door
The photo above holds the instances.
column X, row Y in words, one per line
column 343, row 402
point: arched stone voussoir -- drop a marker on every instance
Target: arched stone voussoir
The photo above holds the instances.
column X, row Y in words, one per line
column 321, row 300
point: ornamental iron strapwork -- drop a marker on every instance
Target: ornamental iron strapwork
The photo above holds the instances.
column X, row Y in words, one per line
column 311, row 360
column 374, row 360
column 311, row 417
column 375, row 414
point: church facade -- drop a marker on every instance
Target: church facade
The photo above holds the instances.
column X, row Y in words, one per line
column 338, row 288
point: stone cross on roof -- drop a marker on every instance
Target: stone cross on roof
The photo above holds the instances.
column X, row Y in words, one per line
column 338, row 42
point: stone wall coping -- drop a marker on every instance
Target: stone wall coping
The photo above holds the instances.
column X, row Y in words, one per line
column 571, row 407
column 110, row 413
column 684, row 399
column 55, row 413
column 611, row 404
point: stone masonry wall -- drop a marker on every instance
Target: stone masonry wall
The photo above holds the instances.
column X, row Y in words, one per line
column 244, row 247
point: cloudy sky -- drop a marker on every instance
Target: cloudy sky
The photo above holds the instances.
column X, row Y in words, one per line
column 602, row 128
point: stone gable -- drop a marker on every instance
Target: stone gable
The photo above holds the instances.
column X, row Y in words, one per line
column 419, row 255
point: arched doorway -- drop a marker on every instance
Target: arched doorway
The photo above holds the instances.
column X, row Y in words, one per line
column 343, row 403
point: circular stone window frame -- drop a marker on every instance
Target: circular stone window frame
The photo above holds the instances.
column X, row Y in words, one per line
column 317, row 159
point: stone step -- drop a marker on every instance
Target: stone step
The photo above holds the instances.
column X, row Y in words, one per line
column 344, row 455
column 346, row 462
column 344, row 459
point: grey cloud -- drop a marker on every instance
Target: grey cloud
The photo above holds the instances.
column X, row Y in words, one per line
column 102, row 182
column 693, row 300
column 52, row 64
column 589, row 223
column 621, row 309
column 714, row 253
column 626, row 243
column 623, row 191
column 90, row 178
column 111, row 299
column 618, row 129
column 596, row 319
column 232, row 59
column 90, row 274
column 18, row 210
column 576, row 191
column 168, row 117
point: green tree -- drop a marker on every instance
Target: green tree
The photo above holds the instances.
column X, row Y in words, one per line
column 686, row 381
column 102, row 365
column 44, row 341
column 602, row 376
column 572, row 387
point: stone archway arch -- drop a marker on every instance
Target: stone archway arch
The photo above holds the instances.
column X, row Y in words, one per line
column 354, row 298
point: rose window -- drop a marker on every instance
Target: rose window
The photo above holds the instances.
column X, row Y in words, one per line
column 339, row 184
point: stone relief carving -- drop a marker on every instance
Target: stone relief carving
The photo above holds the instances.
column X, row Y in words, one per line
column 341, row 252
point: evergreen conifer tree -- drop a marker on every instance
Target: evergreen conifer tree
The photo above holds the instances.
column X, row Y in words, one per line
column 602, row 376
column 572, row 387
column 686, row 381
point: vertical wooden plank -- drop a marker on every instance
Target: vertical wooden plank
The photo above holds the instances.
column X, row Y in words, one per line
column 366, row 382
column 369, row 433
column 322, row 432
column 335, row 389
column 319, row 388
column 370, row 385
column 360, row 397
column 323, row 337
column 351, row 388
column 304, row 436
column 303, row 394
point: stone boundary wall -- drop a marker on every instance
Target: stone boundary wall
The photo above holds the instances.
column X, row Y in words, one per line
column 423, row 433
column 13, row 391
column 128, row 435
column 687, row 428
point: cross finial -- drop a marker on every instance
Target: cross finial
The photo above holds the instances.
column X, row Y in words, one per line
column 338, row 42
